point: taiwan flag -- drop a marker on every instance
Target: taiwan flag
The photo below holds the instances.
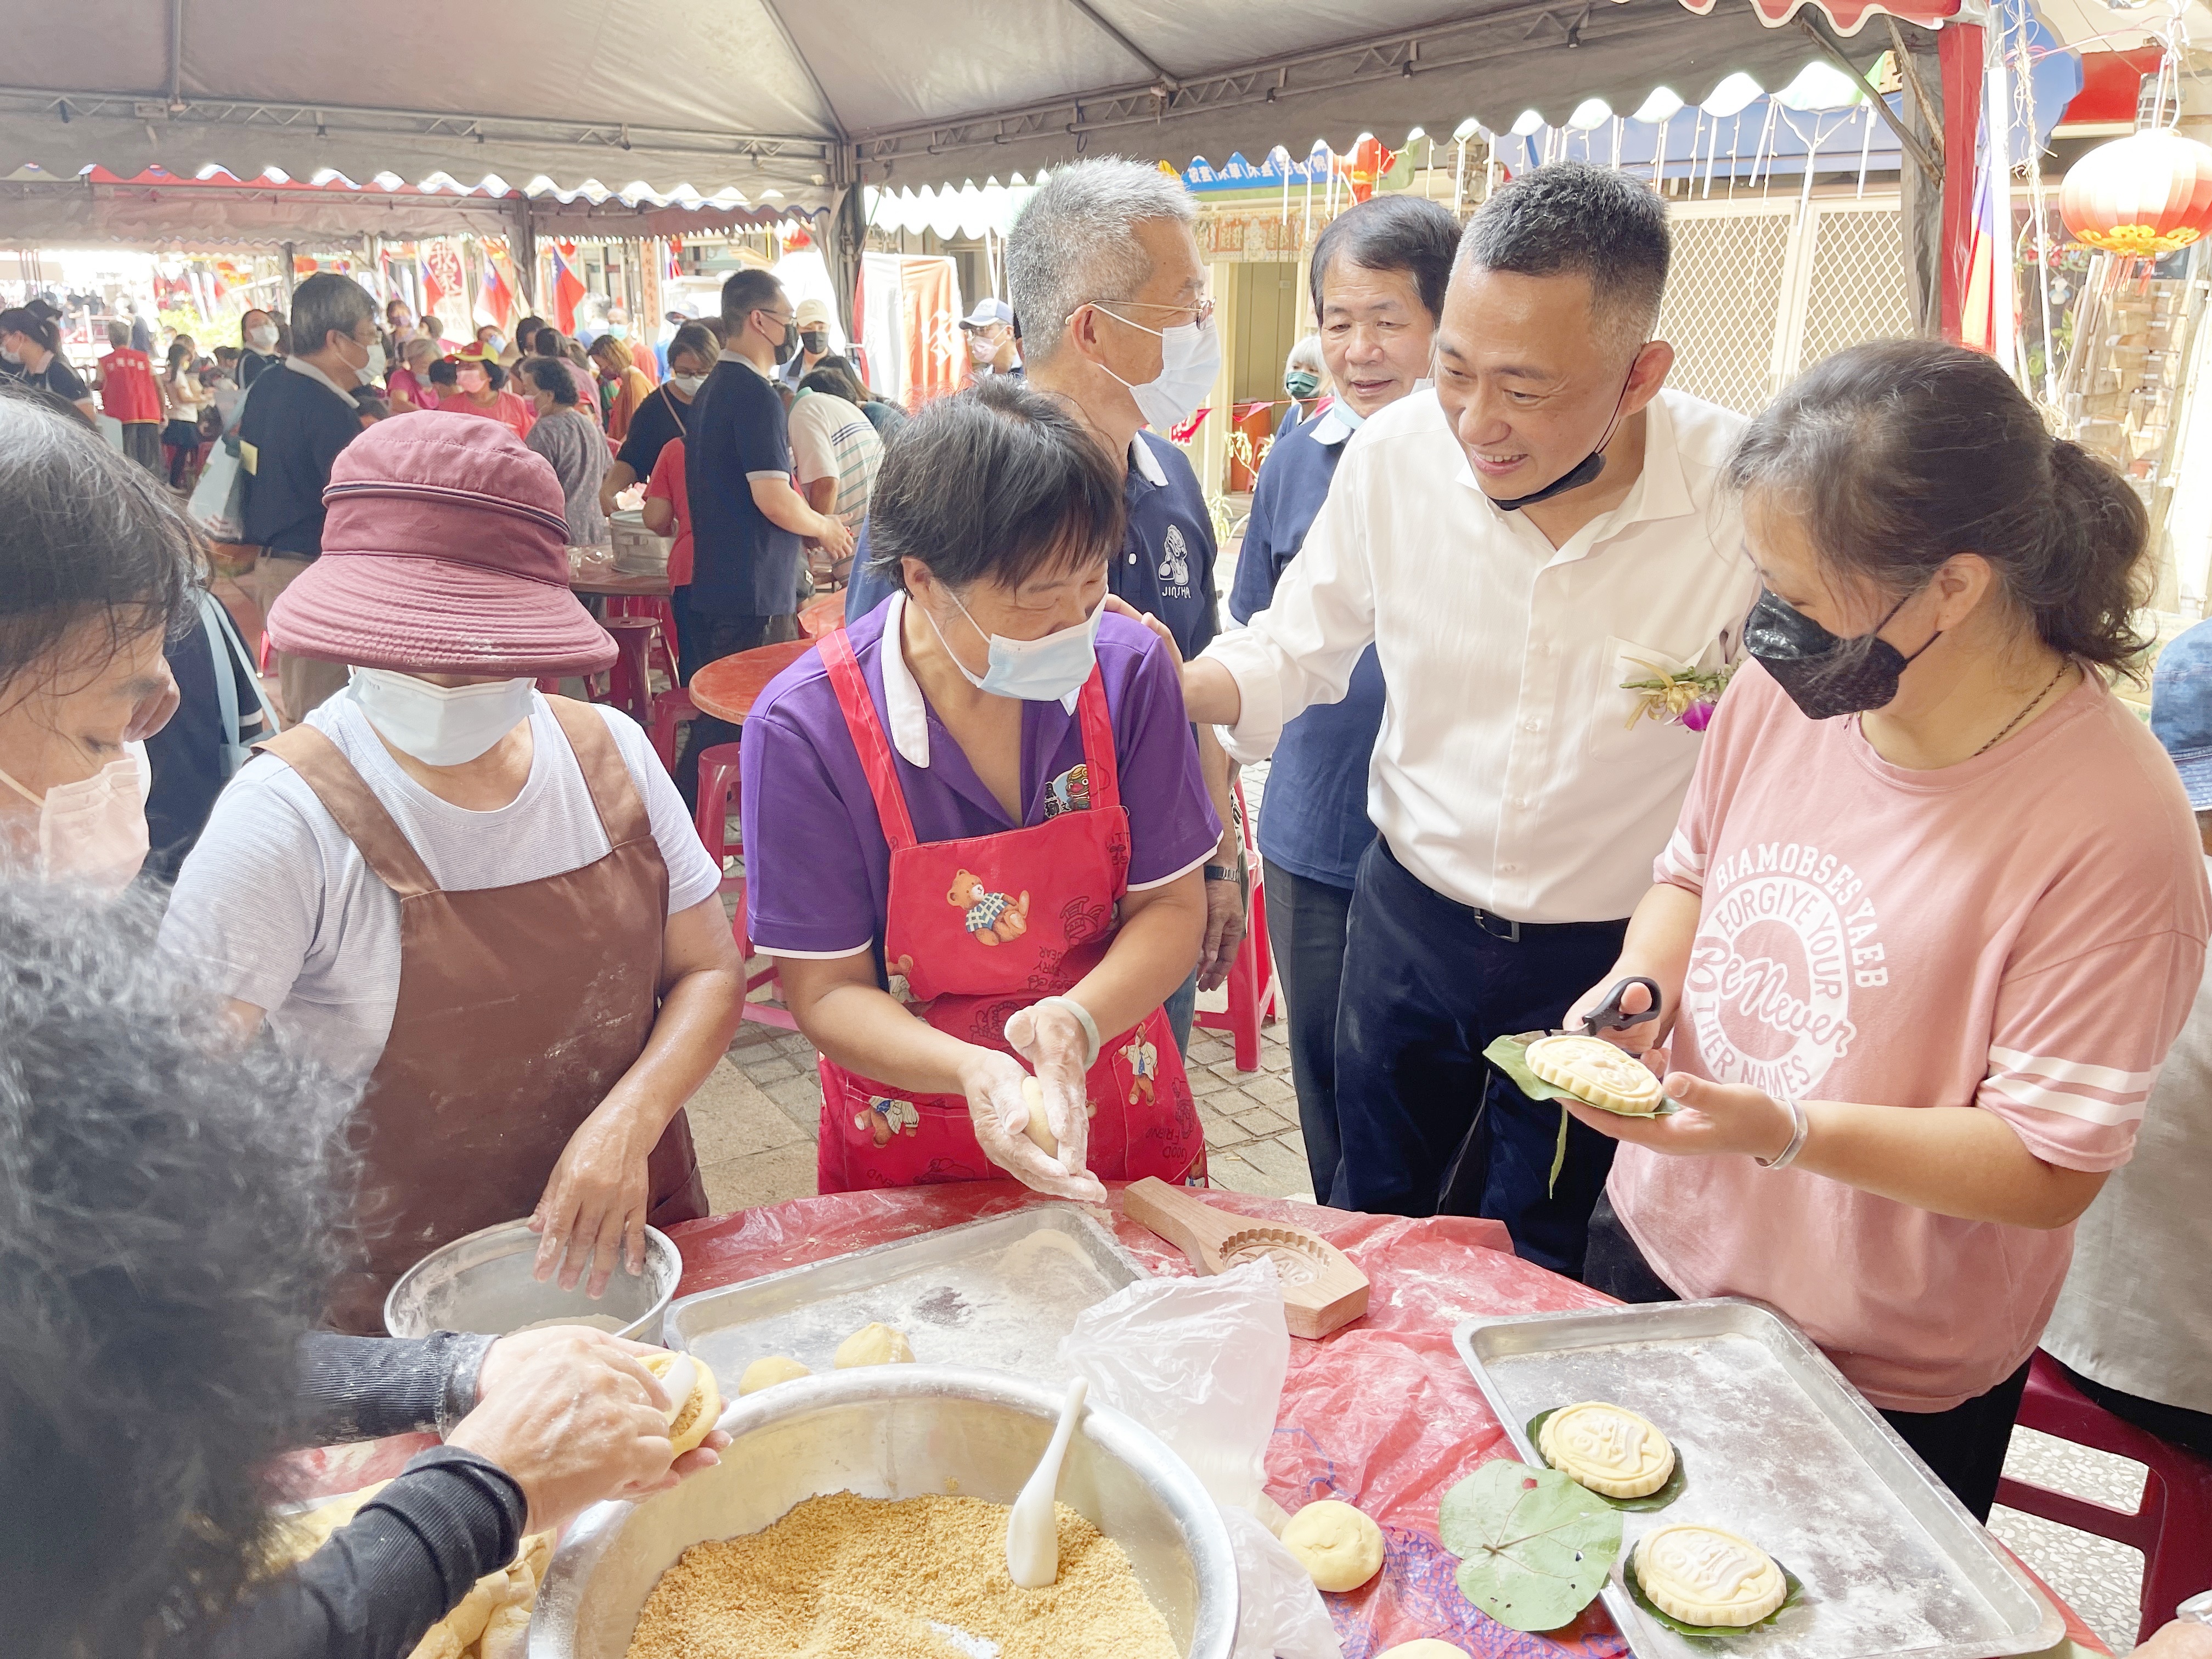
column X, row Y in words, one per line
column 495, row 295
column 568, row 288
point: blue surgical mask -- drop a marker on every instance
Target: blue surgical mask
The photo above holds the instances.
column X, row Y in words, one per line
column 1049, row 670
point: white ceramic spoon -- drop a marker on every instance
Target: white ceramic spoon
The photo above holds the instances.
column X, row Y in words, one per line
column 1032, row 1538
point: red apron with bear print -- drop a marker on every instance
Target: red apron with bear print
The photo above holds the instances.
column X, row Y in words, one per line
column 980, row 928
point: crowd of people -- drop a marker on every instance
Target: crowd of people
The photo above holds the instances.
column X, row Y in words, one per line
column 1924, row 903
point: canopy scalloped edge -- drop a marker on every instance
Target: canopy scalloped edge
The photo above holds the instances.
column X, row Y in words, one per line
column 1844, row 16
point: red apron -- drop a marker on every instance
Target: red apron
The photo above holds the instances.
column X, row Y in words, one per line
column 980, row 928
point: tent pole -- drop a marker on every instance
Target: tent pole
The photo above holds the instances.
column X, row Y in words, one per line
column 288, row 279
column 1959, row 50
column 526, row 255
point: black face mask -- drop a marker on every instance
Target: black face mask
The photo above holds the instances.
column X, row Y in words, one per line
column 815, row 341
column 1801, row 655
column 788, row 344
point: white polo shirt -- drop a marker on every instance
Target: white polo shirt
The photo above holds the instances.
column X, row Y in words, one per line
column 1507, row 775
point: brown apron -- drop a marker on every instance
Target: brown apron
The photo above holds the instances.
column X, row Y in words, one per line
column 519, row 1008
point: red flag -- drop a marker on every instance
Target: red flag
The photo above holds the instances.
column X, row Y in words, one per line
column 495, row 295
column 568, row 289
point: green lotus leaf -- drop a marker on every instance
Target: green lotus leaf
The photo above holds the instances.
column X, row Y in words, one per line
column 1534, row 1547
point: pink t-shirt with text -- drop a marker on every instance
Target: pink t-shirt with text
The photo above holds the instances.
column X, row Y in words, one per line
column 2023, row 932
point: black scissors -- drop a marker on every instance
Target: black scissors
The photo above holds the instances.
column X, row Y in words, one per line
column 1607, row 1016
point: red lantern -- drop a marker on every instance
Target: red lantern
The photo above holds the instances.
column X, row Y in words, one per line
column 2143, row 195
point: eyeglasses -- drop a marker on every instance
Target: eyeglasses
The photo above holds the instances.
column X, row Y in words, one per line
column 1201, row 312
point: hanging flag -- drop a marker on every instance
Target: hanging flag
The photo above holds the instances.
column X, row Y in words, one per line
column 568, row 288
column 444, row 287
column 495, row 295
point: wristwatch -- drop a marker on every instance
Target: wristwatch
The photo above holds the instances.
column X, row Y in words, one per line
column 1222, row 872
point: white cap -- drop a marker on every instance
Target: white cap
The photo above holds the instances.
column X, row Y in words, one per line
column 988, row 312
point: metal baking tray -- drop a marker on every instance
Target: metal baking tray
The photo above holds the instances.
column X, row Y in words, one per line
column 997, row 1294
column 1779, row 1448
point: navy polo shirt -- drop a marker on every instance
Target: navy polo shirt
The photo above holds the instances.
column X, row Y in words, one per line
column 1165, row 567
column 1166, row 562
column 743, row 565
column 1315, row 824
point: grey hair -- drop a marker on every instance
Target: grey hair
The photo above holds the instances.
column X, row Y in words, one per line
column 170, row 1210
column 1076, row 243
column 327, row 303
column 417, row 349
column 1306, row 355
column 1573, row 219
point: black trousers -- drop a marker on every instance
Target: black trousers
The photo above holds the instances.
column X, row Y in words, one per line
column 1966, row 1446
column 1305, row 925
column 705, row 636
column 1428, row 984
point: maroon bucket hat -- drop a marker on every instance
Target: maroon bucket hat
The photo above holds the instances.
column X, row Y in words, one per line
column 445, row 552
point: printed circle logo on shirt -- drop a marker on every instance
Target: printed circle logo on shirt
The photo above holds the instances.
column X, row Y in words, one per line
column 1780, row 945
column 1175, row 565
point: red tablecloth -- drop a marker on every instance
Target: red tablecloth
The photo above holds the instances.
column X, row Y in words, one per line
column 1383, row 1414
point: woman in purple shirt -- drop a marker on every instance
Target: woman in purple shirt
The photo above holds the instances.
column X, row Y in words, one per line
column 981, row 804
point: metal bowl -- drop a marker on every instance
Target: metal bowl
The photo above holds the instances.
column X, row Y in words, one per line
column 899, row 1431
column 482, row 1282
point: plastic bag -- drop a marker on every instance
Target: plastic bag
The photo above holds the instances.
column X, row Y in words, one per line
column 1279, row 1613
column 1200, row 1362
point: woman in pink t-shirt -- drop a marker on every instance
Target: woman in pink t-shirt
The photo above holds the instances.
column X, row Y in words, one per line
column 1934, row 909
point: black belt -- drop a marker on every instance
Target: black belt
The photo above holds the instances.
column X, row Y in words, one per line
column 1497, row 926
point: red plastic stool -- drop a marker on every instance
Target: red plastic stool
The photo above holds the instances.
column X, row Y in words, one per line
column 1251, row 982
column 718, row 801
column 2172, row 1526
column 669, row 709
column 629, row 684
column 647, row 605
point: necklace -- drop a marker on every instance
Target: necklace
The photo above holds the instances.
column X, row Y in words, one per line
column 2024, row 712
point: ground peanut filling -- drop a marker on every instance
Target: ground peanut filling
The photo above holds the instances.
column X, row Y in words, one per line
column 921, row 1578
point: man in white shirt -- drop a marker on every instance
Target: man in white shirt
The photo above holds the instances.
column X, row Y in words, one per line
column 1542, row 526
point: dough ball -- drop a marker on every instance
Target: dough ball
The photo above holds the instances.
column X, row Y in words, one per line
column 1037, row 1129
column 1427, row 1648
column 874, row 1344
column 696, row 1412
column 768, row 1371
column 1340, row 1547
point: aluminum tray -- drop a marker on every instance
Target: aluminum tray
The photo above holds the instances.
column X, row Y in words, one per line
column 1778, row 1447
column 997, row 1295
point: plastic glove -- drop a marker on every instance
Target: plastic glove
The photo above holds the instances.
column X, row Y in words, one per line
column 1054, row 1043
column 992, row 1083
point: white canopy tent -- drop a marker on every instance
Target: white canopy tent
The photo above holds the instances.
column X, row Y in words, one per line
column 796, row 106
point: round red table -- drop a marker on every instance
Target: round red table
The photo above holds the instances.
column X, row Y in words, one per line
column 725, row 688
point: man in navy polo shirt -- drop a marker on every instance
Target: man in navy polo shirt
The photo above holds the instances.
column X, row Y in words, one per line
column 748, row 519
column 1110, row 299
column 1379, row 272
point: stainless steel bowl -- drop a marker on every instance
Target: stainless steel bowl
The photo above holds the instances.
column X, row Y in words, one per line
column 481, row 1283
column 899, row 1431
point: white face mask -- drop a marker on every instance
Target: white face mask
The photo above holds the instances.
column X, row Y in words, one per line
column 92, row 832
column 689, row 385
column 980, row 350
column 1049, row 670
column 1190, row 359
column 439, row 724
column 261, row 339
column 373, row 370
